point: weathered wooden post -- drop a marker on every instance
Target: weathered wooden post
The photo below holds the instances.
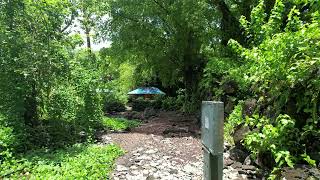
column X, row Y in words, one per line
column 212, row 139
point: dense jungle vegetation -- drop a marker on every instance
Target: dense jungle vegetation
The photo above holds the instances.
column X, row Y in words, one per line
column 260, row 57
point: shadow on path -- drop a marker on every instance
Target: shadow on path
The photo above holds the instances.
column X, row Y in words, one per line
column 170, row 124
column 164, row 147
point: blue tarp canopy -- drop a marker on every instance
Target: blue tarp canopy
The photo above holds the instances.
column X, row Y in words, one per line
column 146, row 90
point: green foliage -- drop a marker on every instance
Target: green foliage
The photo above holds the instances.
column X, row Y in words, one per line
column 156, row 101
column 48, row 94
column 280, row 67
column 234, row 119
column 119, row 79
column 166, row 41
column 77, row 162
column 119, row 124
column 7, row 140
column 284, row 63
column 114, row 106
column 140, row 104
column 53, row 94
column 171, row 104
column 280, row 138
column 216, row 67
column 177, row 103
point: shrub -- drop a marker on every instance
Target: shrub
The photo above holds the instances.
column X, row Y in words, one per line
column 91, row 115
column 174, row 103
column 156, row 103
column 282, row 67
column 281, row 70
column 140, row 104
column 169, row 103
column 280, row 137
column 119, row 124
column 7, row 141
column 77, row 162
column 234, row 119
column 114, row 106
column 63, row 104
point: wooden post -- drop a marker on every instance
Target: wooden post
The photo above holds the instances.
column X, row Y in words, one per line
column 212, row 119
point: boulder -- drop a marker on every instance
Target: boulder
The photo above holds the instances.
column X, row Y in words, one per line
column 248, row 160
column 229, row 104
column 230, row 87
column 176, row 130
column 228, row 162
column 236, row 165
column 249, row 107
column 265, row 160
column 226, row 146
column 238, row 155
column 239, row 134
column 300, row 172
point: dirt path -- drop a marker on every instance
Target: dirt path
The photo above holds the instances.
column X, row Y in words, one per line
column 166, row 147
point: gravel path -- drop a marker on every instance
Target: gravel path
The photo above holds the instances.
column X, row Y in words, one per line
column 166, row 147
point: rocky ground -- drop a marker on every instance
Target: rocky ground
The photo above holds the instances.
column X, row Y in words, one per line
column 168, row 147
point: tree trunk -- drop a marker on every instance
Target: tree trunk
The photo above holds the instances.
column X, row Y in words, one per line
column 193, row 68
column 30, row 115
column 87, row 31
column 189, row 82
column 230, row 26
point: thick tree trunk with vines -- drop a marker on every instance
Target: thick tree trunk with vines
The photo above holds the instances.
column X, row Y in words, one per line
column 230, row 26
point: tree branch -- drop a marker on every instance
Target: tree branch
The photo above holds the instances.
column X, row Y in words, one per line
column 162, row 7
column 167, row 12
column 69, row 22
column 230, row 25
column 126, row 17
